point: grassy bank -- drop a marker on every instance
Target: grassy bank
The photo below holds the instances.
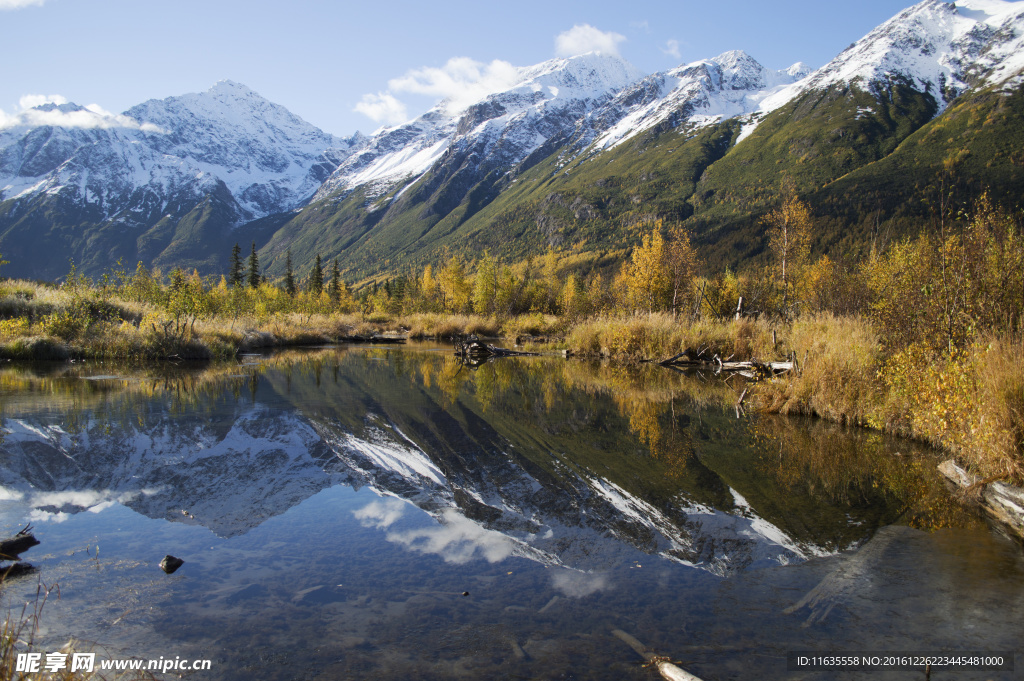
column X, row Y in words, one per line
column 967, row 399
column 968, row 402
column 44, row 322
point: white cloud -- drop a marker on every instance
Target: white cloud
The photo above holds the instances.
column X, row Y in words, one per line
column 672, row 49
column 584, row 38
column 18, row 4
column 460, row 82
column 576, row 584
column 383, row 108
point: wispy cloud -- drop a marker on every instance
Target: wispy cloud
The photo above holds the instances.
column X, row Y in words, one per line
column 584, row 38
column 672, row 49
column 381, row 514
column 383, row 107
column 32, row 101
column 18, row 4
column 459, row 83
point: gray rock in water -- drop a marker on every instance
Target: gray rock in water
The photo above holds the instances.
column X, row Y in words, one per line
column 169, row 564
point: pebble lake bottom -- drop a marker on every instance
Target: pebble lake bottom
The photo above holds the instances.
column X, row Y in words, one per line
column 387, row 513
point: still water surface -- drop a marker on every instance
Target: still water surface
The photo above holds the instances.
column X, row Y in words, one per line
column 333, row 507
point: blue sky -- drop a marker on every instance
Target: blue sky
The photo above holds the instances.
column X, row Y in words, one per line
column 323, row 59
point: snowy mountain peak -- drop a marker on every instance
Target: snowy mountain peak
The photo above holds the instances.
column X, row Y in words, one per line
column 66, row 107
column 269, row 159
column 936, row 47
column 231, row 88
column 798, row 70
column 590, row 74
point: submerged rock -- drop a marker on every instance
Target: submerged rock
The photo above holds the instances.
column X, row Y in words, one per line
column 169, row 564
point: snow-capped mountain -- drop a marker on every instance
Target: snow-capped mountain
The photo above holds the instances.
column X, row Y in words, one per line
column 162, row 156
column 498, row 131
column 269, row 158
column 177, row 181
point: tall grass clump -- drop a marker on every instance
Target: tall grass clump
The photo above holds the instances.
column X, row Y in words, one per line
column 837, row 378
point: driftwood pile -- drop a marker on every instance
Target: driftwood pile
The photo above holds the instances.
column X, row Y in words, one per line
column 753, row 369
column 474, row 352
column 11, row 550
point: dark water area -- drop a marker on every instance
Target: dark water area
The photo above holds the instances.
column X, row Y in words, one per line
column 386, row 513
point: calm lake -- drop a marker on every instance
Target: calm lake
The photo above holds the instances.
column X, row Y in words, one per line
column 386, row 513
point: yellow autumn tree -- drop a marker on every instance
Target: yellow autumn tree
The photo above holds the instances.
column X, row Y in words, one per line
column 789, row 238
column 429, row 289
column 644, row 275
column 681, row 264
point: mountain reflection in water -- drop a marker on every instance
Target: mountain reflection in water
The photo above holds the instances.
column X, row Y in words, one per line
column 362, row 497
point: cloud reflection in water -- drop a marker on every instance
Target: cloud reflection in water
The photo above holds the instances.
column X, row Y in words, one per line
column 457, row 540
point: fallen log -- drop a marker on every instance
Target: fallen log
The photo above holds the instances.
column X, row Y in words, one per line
column 386, row 340
column 754, row 368
column 1003, row 502
column 846, row 579
column 663, row 664
column 12, row 548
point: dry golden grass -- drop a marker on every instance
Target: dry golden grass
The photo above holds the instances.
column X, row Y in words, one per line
column 659, row 336
column 446, row 326
column 1001, row 399
column 838, row 361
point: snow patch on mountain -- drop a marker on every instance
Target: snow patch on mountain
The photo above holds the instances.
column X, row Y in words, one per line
column 703, row 93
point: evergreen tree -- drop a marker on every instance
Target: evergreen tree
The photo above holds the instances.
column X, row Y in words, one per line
column 235, row 271
column 334, row 287
column 289, row 276
column 316, row 277
column 254, row 268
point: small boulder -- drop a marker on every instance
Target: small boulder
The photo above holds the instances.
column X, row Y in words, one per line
column 169, row 564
